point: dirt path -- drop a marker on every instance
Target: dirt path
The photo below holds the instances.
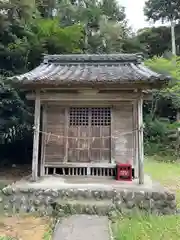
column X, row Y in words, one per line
column 24, row 228
column 11, row 174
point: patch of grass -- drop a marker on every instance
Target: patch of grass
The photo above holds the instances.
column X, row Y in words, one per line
column 8, row 238
column 166, row 173
column 162, row 170
column 47, row 235
column 148, row 227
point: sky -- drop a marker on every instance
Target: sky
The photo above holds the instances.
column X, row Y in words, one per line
column 135, row 15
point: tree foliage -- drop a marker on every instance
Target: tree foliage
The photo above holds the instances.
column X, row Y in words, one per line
column 112, row 10
column 15, row 114
column 95, row 16
column 169, row 67
column 165, row 10
column 161, row 134
column 158, row 136
column 155, row 41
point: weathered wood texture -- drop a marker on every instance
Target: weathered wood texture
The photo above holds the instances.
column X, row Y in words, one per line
column 90, row 129
column 91, row 134
column 55, row 126
column 43, row 139
column 122, row 130
column 36, row 137
column 135, row 138
column 140, row 141
column 86, row 95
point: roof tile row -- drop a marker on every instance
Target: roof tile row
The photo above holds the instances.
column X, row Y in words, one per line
column 113, row 68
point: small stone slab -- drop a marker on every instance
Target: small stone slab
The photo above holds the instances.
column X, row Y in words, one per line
column 83, row 227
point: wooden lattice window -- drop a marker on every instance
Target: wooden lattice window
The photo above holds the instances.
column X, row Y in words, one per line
column 101, row 117
column 79, row 117
column 90, row 116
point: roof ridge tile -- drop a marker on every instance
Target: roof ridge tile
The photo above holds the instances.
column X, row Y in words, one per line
column 94, row 58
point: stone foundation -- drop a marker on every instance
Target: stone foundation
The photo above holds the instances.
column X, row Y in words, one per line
column 44, row 201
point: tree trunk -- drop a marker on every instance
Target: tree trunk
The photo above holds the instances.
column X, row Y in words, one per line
column 173, row 38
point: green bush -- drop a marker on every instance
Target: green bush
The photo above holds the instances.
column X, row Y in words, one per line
column 16, row 121
column 159, row 136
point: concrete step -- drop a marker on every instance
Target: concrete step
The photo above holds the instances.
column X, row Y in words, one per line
column 91, row 207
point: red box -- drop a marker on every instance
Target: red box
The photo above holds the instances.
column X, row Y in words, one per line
column 124, row 172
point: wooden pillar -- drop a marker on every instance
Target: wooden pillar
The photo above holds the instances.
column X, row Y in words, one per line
column 43, row 139
column 140, row 141
column 66, row 141
column 135, row 138
column 36, row 137
column 113, row 141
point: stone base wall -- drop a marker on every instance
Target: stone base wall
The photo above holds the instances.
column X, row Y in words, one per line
column 85, row 201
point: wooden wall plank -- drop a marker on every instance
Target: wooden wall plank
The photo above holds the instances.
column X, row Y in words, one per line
column 122, row 133
column 55, row 140
column 121, row 122
column 116, row 96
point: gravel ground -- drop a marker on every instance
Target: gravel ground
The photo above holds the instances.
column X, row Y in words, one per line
column 82, row 227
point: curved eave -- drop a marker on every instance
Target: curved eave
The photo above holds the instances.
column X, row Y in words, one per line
column 53, row 75
column 122, row 85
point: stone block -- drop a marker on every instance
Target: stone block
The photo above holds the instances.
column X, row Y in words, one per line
column 7, row 191
column 170, row 196
column 129, row 196
column 130, row 204
column 156, row 196
column 139, row 197
column 124, row 200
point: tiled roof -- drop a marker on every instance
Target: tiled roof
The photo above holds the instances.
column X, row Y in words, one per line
column 90, row 69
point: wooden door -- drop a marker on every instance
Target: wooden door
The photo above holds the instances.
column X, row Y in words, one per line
column 89, row 134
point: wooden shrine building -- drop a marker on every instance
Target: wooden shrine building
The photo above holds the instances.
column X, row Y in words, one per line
column 88, row 113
